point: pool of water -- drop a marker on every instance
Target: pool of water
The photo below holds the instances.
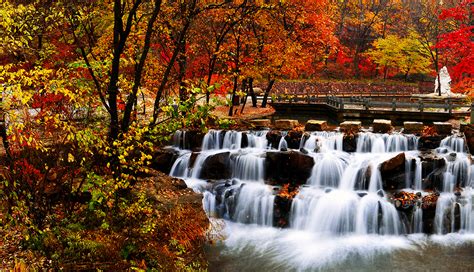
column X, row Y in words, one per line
column 257, row 248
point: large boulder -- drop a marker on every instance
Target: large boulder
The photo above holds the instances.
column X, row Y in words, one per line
column 216, row 166
column 316, row 125
column 382, row 126
column 163, row 159
column 393, row 172
column 413, row 127
column 443, row 128
column 288, row 167
column 286, row 124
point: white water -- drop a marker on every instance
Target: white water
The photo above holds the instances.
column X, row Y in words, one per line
column 342, row 211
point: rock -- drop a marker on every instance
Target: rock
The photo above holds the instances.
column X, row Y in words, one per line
column 163, row 160
column 349, row 143
column 443, row 128
column 286, row 124
column 382, row 126
column 469, row 133
column 429, row 142
column 316, row 125
column 191, row 139
column 245, row 140
column 281, row 211
column 216, row 166
column 273, row 138
column 413, row 127
column 393, row 172
column 293, row 139
column 261, row 123
column 350, row 127
column 288, row 167
column 430, row 162
column 303, row 150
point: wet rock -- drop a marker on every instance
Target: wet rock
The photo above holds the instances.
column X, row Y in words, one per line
column 192, row 140
column 413, row 127
column 163, row 160
column 443, row 128
column 430, row 162
column 429, row 212
column 304, row 151
column 286, row 124
column 469, row 133
column 382, row 126
column 393, row 172
column 245, row 140
column 349, row 143
column 293, row 139
column 281, row 211
column 429, row 142
column 216, row 166
column 316, row 125
column 273, row 138
column 288, row 167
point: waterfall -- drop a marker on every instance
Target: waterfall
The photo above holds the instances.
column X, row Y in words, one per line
column 343, row 196
column 454, row 143
column 181, row 166
column 249, row 167
column 212, row 140
column 379, row 143
column 323, row 141
column 283, row 145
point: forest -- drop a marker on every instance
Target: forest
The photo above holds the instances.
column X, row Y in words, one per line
column 92, row 90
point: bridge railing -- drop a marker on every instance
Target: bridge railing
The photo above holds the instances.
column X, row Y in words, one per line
column 368, row 104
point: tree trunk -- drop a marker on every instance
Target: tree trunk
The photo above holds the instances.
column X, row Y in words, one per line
column 234, row 90
column 245, row 89
column 267, row 92
column 252, row 93
column 132, row 98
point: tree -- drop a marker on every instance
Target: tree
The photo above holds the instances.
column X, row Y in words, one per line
column 403, row 54
column 458, row 45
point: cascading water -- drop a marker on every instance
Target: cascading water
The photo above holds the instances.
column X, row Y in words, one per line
column 345, row 200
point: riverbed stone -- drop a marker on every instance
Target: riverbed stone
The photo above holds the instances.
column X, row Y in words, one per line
column 443, row 128
column 316, row 125
column 350, row 126
column 413, row 127
column 261, row 123
column 286, row 124
column 382, row 126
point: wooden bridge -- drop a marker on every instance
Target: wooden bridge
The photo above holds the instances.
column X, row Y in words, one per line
column 338, row 109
